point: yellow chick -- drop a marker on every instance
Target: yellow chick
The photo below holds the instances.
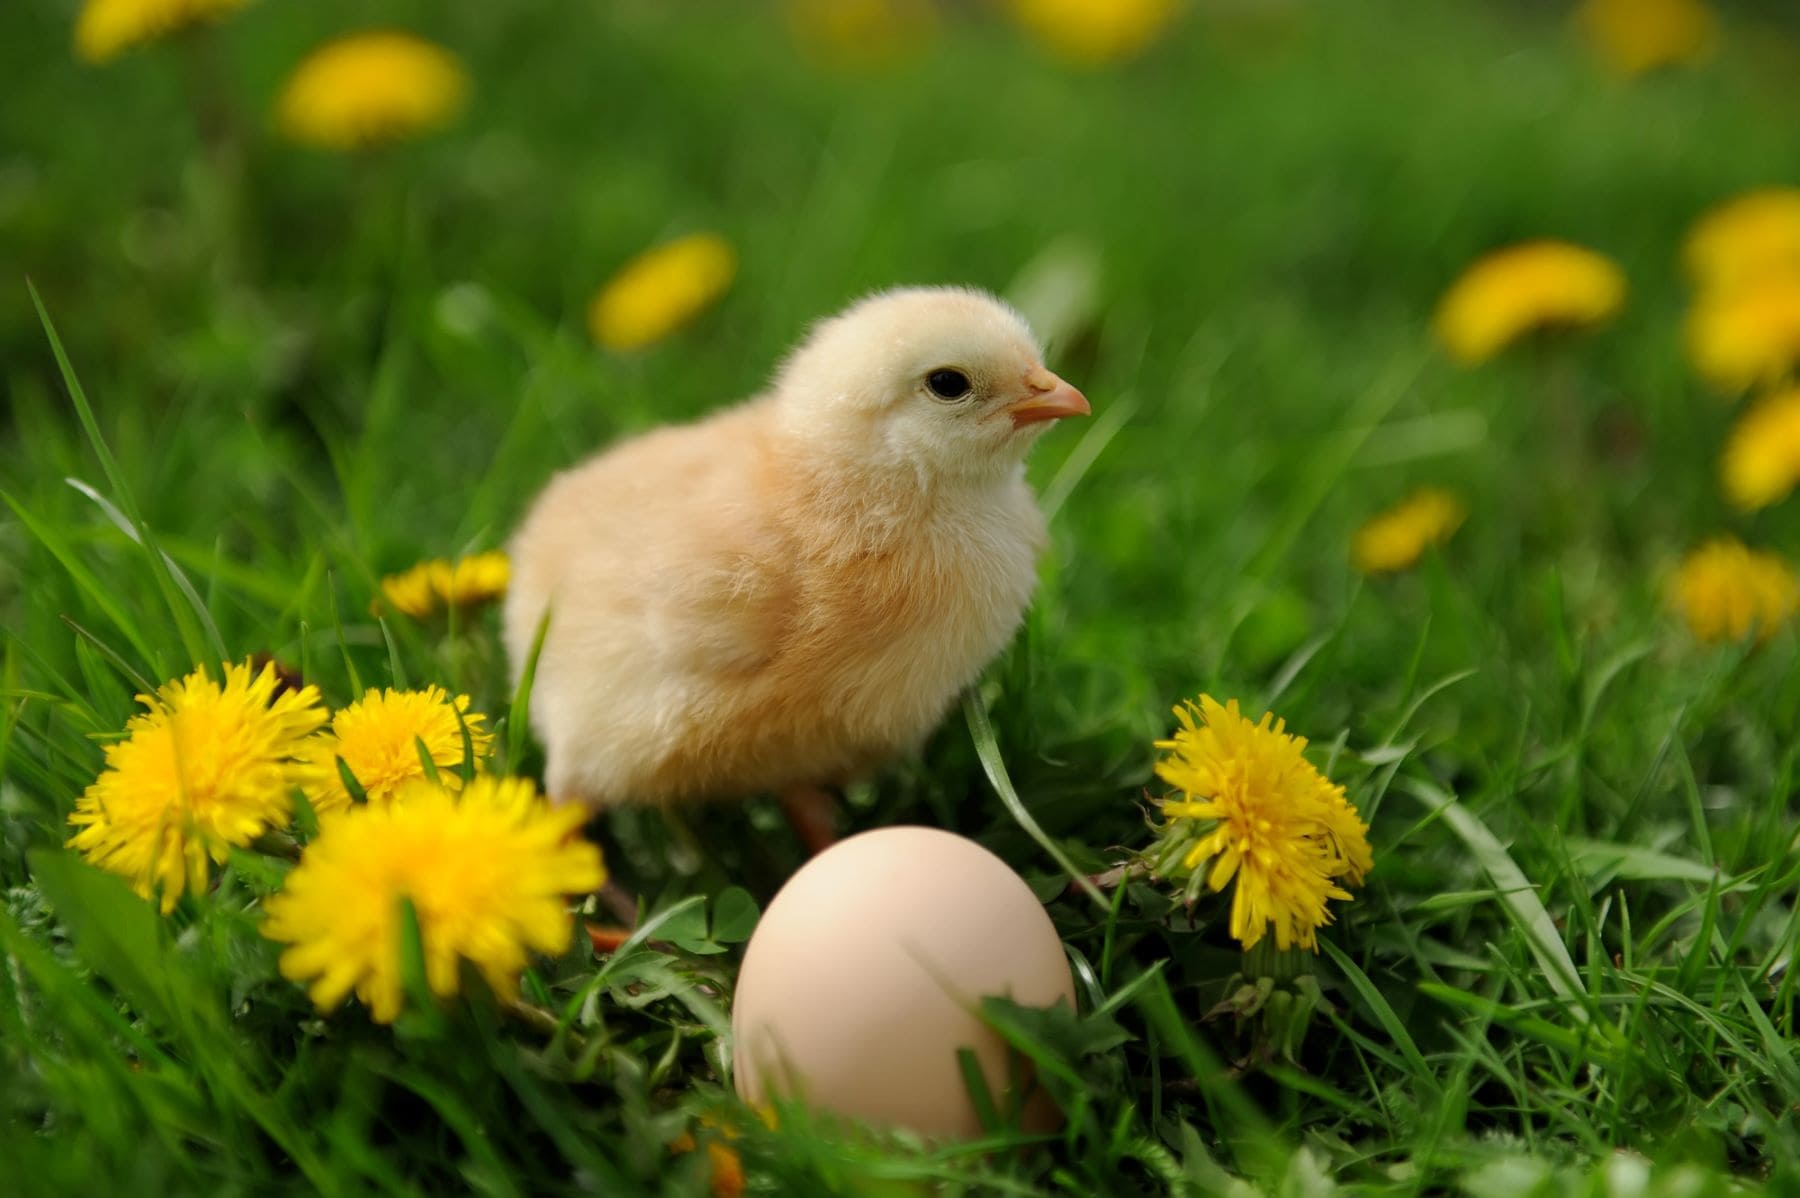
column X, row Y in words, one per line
column 793, row 590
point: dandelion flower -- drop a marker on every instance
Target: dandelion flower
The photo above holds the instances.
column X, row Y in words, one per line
column 206, row 767
column 1761, row 463
column 726, row 1166
column 1399, row 536
column 1743, row 336
column 107, row 28
column 378, row 739
column 1755, row 234
column 727, row 1179
column 1533, row 285
column 1258, row 812
column 486, row 871
column 1635, row 36
column 429, row 587
column 660, row 290
column 1094, row 32
column 1726, row 590
column 858, row 34
column 369, row 89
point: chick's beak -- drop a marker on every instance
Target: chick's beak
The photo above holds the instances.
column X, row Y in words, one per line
column 1046, row 398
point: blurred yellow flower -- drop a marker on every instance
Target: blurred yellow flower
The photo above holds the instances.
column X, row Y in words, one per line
column 369, row 89
column 1726, row 590
column 1761, row 463
column 1532, row 285
column 727, row 1167
column 1094, row 32
column 858, row 34
column 1258, row 811
column 378, row 738
column 1755, row 234
column 107, row 28
column 487, row 872
column 1396, row 538
column 1635, row 36
column 1748, row 335
column 208, row 766
column 429, row 587
column 660, row 290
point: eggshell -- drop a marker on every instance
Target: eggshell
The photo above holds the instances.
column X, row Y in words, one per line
column 864, row 976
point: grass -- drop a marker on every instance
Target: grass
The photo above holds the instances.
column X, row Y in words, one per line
column 1569, row 970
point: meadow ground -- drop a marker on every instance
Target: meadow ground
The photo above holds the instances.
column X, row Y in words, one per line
column 1569, row 969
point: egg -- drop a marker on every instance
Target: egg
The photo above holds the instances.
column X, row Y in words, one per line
column 866, row 973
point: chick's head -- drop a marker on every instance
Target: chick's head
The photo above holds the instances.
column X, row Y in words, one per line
column 942, row 380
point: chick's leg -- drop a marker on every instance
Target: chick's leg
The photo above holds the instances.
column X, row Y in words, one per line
column 812, row 812
column 614, row 897
column 620, row 901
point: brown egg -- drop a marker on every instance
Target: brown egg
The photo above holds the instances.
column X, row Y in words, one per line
column 866, row 974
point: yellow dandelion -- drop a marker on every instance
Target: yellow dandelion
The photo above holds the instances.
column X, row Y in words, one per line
column 727, row 1180
column 660, row 290
column 206, row 767
column 859, row 34
column 378, row 739
column 726, row 1166
column 1761, row 463
column 1257, row 811
column 107, row 28
column 1094, row 32
column 1755, row 234
column 1748, row 335
column 1635, row 36
column 487, row 872
column 369, row 89
column 1725, row 590
column 430, row 587
column 1396, row 538
column 1533, row 285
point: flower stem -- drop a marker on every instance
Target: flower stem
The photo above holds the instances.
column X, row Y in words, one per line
column 1264, row 960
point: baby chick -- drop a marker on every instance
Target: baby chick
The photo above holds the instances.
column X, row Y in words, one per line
column 788, row 593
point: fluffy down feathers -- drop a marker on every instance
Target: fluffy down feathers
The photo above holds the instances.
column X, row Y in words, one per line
column 796, row 588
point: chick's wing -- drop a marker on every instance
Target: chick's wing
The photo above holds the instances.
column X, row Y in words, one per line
column 658, row 560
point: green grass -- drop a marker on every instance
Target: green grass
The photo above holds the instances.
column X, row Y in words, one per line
column 302, row 372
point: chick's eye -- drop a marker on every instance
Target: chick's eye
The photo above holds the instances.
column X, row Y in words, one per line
column 948, row 384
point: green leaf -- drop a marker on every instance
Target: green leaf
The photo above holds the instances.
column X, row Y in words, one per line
column 734, row 915
column 1595, row 1043
column 349, row 779
column 423, row 1017
column 1056, row 1036
column 685, row 928
column 425, row 760
column 121, row 937
column 1636, row 863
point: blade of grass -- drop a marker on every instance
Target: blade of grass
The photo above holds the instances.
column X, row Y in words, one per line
column 518, row 719
column 192, row 638
column 181, row 580
column 987, row 748
column 1390, row 1022
column 102, row 597
column 1518, row 896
